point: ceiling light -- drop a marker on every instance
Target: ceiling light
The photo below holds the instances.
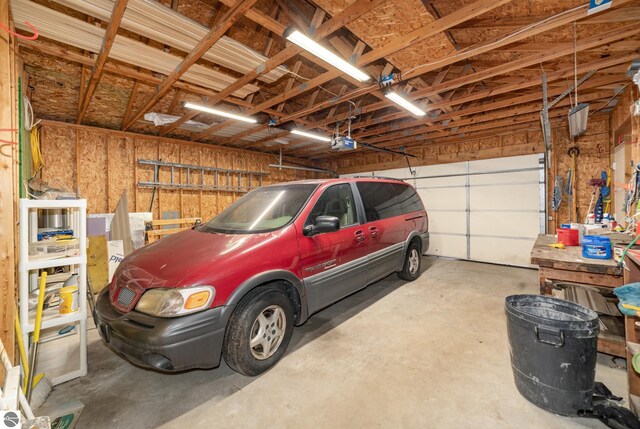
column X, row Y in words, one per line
column 220, row 113
column 324, row 54
column 311, row 135
column 403, row 102
column 578, row 116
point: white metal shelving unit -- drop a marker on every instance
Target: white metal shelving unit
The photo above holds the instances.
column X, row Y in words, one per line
column 28, row 270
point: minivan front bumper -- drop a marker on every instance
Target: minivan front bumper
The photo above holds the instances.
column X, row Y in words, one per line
column 164, row 344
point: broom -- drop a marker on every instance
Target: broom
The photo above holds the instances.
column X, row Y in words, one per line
column 37, row 391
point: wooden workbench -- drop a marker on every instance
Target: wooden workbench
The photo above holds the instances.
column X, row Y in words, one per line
column 568, row 265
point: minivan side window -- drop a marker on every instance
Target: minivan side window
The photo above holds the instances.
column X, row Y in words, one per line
column 408, row 198
column 337, row 201
column 384, row 200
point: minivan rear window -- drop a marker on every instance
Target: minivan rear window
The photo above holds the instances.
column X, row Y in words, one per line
column 262, row 210
column 384, row 200
column 409, row 200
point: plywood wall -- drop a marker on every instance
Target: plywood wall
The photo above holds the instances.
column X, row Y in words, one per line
column 595, row 157
column 101, row 164
column 523, row 142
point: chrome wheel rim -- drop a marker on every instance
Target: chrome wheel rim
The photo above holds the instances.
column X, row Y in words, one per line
column 414, row 261
column 267, row 332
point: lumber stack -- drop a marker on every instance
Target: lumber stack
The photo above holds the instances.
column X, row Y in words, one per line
column 75, row 32
column 160, row 23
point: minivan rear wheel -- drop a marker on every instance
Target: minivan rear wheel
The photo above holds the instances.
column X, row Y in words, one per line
column 259, row 331
column 412, row 262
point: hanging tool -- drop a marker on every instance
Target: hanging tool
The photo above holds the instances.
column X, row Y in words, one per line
column 596, row 184
column 606, row 191
column 557, row 193
column 574, row 151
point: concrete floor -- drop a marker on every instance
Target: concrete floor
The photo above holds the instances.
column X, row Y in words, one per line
column 432, row 353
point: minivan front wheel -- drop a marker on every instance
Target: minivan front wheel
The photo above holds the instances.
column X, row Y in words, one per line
column 259, row 331
column 412, row 263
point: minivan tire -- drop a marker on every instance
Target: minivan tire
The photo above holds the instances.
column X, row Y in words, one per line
column 264, row 307
column 412, row 262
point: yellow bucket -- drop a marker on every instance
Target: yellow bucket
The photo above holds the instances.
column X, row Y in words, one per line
column 68, row 299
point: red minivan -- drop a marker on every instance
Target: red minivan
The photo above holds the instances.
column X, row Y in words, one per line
column 235, row 286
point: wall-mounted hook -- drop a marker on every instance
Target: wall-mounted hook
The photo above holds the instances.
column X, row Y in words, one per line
column 34, row 36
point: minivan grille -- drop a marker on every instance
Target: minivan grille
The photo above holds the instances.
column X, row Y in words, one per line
column 126, row 297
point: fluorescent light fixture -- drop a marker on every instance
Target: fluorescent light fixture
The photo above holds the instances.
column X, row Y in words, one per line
column 578, row 116
column 220, row 113
column 403, row 102
column 311, row 135
column 324, row 54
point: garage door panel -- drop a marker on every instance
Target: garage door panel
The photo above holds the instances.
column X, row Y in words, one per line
column 502, row 250
column 521, row 224
column 440, row 169
column 529, row 177
column 436, row 182
column 398, row 173
column 447, row 221
column 507, row 163
column 452, row 246
column 510, row 197
column 444, row 199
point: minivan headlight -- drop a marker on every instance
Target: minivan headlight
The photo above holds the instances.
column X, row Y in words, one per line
column 176, row 302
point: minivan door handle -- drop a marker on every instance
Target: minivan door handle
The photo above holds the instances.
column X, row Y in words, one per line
column 373, row 231
column 359, row 235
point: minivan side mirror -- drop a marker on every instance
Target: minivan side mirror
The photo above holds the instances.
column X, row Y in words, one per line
column 323, row 224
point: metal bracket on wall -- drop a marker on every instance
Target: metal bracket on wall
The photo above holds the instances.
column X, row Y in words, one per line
column 224, row 179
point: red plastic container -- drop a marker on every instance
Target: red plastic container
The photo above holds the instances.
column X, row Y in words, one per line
column 568, row 237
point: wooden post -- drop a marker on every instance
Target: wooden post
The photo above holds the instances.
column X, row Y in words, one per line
column 8, row 183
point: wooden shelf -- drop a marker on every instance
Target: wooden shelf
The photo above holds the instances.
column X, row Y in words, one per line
column 611, row 344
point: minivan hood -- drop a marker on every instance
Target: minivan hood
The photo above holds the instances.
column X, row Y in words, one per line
column 186, row 258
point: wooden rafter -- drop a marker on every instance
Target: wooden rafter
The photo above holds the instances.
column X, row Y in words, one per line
column 356, row 51
column 626, row 14
column 462, row 14
column 517, row 85
column 405, row 136
column 350, row 13
column 547, row 24
column 394, row 130
column 535, row 59
column 474, row 117
column 109, row 37
column 496, row 119
column 218, row 30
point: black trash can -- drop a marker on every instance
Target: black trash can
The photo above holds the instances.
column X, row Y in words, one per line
column 553, row 346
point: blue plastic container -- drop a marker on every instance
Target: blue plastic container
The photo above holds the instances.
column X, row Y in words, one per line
column 596, row 247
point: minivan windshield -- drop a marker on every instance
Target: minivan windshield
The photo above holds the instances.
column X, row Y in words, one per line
column 261, row 210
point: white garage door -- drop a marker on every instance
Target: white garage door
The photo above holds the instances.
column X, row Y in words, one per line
column 489, row 210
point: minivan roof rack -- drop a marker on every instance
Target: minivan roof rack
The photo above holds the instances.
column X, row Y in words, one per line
column 377, row 177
